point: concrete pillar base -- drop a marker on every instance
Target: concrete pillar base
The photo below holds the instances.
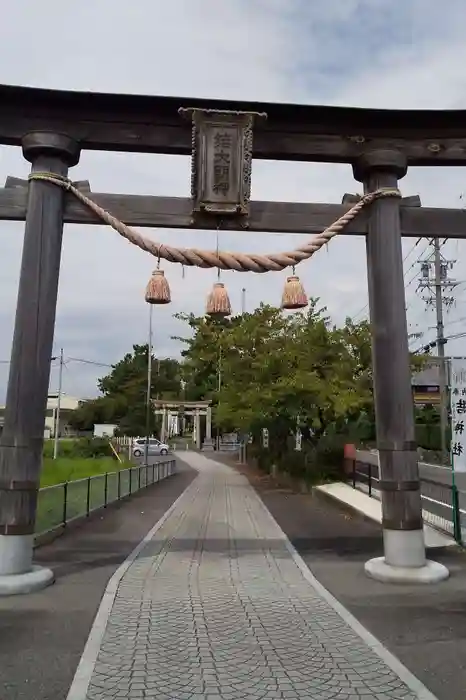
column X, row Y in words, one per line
column 404, row 548
column 34, row 580
column 208, row 445
column 430, row 572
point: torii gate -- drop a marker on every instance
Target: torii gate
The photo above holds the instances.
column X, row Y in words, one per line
column 196, row 409
column 52, row 127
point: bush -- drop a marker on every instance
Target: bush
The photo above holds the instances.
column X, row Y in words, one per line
column 83, row 448
column 428, row 437
column 314, row 465
column 93, row 447
column 330, row 453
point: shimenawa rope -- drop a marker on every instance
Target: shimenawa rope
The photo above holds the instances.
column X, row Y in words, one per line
column 224, row 260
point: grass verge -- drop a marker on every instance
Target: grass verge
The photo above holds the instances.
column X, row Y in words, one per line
column 56, row 471
column 67, row 492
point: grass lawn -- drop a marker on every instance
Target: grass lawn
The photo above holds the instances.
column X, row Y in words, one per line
column 73, row 484
column 79, row 491
column 56, row 471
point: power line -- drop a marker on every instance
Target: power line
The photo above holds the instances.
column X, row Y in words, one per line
column 415, row 276
column 70, row 359
column 7, row 362
column 413, row 247
column 433, row 343
column 88, row 362
column 456, row 320
column 434, row 280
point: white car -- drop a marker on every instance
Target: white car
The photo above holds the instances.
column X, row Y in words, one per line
column 154, row 447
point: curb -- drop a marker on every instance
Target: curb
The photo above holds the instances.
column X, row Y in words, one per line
column 82, row 678
column 346, row 507
column 353, row 510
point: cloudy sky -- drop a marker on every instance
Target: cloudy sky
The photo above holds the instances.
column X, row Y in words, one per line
column 379, row 53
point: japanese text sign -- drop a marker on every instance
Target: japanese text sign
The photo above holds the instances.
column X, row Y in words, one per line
column 221, row 161
column 458, row 414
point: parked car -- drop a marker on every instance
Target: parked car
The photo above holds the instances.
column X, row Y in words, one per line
column 155, row 447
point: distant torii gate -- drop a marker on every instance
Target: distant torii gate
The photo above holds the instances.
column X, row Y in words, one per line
column 52, row 127
column 196, row 409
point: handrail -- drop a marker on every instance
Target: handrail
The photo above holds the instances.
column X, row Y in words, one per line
column 77, row 499
column 453, row 524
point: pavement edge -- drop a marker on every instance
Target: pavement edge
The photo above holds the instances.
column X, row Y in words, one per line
column 82, row 678
column 410, row 680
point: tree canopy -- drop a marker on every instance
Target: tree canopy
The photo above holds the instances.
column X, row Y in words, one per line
column 124, row 392
column 265, row 369
column 276, row 369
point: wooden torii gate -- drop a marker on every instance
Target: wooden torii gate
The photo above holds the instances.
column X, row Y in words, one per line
column 53, row 127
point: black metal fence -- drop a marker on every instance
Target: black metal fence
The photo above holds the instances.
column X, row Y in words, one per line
column 441, row 502
column 64, row 503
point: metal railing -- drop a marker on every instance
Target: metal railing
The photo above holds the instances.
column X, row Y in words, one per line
column 61, row 504
column 441, row 503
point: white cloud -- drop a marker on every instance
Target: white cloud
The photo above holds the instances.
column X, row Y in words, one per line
column 270, row 50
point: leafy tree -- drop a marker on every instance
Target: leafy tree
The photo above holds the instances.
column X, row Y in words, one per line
column 279, row 369
column 263, row 369
column 201, row 355
column 275, row 369
column 291, row 367
column 124, row 392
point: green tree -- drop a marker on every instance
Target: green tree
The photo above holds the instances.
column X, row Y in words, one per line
column 124, row 392
column 290, row 367
column 201, row 355
column 275, row 369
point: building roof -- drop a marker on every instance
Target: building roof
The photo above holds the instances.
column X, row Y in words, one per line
column 429, row 376
column 67, row 403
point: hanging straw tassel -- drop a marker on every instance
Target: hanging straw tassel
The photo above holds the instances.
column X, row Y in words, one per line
column 218, row 301
column 294, row 296
column 158, row 290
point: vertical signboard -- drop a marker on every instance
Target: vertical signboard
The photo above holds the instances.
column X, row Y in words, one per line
column 265, row 438
column 458, row 414
column 299, row 440
column 221, row 160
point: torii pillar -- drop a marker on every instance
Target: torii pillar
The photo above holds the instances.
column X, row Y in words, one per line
column 208, row 444
column 197, row 429
column 404, row 557
column 22, row 440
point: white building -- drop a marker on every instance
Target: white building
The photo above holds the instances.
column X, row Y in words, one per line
column 68, row 404
column 104, row 430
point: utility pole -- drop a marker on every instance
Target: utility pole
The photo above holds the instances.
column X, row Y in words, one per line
column 436, row 286
column 57, row 412
column 243, row 301
column 441, row 349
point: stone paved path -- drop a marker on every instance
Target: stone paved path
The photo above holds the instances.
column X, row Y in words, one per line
column 217, row 606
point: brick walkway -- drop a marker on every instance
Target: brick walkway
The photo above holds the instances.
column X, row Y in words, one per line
column 218, row 605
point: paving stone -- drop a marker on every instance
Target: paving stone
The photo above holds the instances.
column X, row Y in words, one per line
column 210, row 609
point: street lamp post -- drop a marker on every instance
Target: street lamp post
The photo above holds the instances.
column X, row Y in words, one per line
column 219, row 388
column 56, row 428
column 149, row 382
column 157, row 292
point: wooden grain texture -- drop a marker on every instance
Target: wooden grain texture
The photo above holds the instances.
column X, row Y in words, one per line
column 399, row 474
column 21, row 442
column 151, row 124
column 273, row 217
column 20, row 182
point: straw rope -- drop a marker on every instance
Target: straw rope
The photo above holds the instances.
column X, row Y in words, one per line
column 224, row 260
